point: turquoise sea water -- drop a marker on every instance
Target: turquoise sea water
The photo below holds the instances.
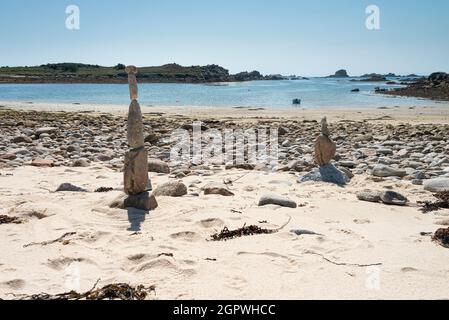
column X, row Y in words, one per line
column 314, row 93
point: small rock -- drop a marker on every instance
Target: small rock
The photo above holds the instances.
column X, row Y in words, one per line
column 347, row 163
column 244, row 166
column 171, row 189
column 442, row 236
column 42, row 163
column 381, row 170
column 158, row 166
column 300, row 232
column 70, row 188
column 218, row 189
column 384, row 151
column 327, row 173
column 369, row 195
column 437, row 185
column 276, row 200
column 8, row 156
column 152, row 138
column 80, row 163
column 393, row 198
column 20, row 139
column 45, row 130
column 144, row 201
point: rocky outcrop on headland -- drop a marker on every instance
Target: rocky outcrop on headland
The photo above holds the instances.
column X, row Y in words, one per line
column 435, row 87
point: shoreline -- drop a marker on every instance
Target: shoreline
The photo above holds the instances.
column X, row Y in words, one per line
column 393, row 114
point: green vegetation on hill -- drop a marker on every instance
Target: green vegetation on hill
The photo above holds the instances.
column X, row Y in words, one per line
column 86, row 73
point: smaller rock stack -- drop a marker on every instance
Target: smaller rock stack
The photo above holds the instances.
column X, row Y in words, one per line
column 325, row 150
column 136, row 181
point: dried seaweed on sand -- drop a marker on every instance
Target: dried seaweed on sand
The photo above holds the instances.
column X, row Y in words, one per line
column 442, row 203
column 6, row 220
column 227, row 234
column 118, row 291
column 442, row 237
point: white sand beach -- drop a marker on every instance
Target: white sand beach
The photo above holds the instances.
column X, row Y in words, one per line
column 361, row 250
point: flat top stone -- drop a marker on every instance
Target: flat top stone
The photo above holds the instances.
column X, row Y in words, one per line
column 273, row 198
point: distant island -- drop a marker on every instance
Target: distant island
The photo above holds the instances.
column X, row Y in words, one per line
column 87, row 73
column 340, row 74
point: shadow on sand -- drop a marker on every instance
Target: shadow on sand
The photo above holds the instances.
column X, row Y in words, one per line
column 136, row 217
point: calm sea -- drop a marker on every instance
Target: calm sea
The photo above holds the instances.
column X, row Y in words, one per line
column 314, row 93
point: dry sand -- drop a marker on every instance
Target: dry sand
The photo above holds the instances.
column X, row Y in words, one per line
column 169, row 248
column 419, row 114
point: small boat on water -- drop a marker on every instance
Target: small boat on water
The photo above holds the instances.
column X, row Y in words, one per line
column 296, row 102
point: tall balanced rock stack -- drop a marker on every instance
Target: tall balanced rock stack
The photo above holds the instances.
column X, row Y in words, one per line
column 136, row 181
column 325, row 150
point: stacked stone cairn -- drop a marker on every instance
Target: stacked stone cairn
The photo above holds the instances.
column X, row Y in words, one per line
column 137, row 184
column 325, row 150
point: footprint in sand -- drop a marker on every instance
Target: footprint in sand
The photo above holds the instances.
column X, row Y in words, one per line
column 186, row 236
column 361, row 221
column 61, row 263
column 212, row 222
column 162, row 262
column 15, row 284
column 408, row 269
column 236, row 282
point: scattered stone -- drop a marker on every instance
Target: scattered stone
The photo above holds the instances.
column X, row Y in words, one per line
column 104, row 189
column 21, row 139
column 369, row 195
column 437, row 185
column 442, row 237
column 158, row 166
column 171, row 189
column 152, row 138
column 347, row 164
column 393, row 198
column 68, row 187
column 142, row 201
column 42, row 163
column 244, row 166
column 45, row 130
column 81, row 163
column 328, row 173
column 382, row 170
column 218, row 189
column 8, row 156
column 300, row 232
column 276, row 199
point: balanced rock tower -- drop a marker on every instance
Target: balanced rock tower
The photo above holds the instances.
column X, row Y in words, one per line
column 137, row 184
column 325, row 150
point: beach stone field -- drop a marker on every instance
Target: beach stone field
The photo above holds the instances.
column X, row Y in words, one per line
column 415, row 153
column 247, row 231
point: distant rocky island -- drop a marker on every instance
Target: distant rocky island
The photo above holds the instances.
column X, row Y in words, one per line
column 87, row 73
column 340, row 74
column 435, row 87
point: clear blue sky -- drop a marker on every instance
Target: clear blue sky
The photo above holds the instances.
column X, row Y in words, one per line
column 273, row 36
